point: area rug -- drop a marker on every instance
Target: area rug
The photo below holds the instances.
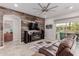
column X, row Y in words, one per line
column 39, row 45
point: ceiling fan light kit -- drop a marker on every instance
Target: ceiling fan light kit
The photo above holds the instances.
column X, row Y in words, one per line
column 44, row 9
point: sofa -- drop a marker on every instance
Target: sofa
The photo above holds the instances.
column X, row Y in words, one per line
column 66, row 47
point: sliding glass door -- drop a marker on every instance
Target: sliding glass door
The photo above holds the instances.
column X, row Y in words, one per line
column 69, row 27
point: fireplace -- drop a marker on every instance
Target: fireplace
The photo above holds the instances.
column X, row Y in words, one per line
column 30, row 36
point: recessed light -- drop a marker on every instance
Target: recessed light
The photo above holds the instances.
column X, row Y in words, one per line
column 15, row 5
column 70, row 7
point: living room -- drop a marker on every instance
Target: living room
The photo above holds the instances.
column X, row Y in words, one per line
column 31, row 29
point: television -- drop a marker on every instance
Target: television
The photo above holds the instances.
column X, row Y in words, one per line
column 33, row 26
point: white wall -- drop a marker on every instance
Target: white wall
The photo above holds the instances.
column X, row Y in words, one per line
column 50, row 33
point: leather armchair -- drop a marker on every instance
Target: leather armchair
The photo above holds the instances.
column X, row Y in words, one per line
column 63, row 48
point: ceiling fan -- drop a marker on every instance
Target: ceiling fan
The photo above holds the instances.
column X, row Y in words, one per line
column 45, row 8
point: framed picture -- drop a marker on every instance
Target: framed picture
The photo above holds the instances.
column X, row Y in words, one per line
column 49, row 26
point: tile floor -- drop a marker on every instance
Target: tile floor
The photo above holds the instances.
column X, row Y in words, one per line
column 17, row 49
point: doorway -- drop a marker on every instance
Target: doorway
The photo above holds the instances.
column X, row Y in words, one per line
column 11, row 29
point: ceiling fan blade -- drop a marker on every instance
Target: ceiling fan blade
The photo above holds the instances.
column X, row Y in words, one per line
column 47, row 5
column 53, row 7
column 40, row 5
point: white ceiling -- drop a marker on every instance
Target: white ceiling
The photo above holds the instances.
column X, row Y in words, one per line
column 62, row 9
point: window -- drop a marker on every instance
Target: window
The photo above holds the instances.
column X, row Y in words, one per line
column 69, row 27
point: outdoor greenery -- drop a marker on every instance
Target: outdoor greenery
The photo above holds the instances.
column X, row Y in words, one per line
column 72, row 27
